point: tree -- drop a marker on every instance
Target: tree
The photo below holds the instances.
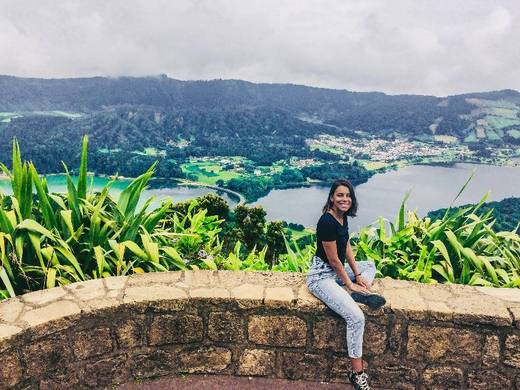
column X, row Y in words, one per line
column 274, row 238
column 249, row 225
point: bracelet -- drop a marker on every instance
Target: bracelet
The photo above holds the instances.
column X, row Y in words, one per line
column 356, row 275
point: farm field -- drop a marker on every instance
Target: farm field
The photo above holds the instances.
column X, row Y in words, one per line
column 210, row 170
column 7, row 117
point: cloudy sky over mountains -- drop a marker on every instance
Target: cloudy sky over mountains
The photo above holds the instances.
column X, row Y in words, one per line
column 398, row 46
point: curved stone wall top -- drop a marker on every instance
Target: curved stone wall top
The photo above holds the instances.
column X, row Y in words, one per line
column 256, row 319
column 456, row 303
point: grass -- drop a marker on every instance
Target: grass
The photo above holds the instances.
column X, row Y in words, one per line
column 514, row 133
column 297, row 234
column 448, row 139
column 471, row 137
column 315, row 144
column 497, row 122
column 208, row 172
column 374, row 165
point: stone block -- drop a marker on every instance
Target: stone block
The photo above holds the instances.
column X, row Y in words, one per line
column 470, row 306
column 43, row 297
column 139, row 293
column 491, row 353
column 212, row 294
column 485, row 380
column 100, row 304
column 91, row 342
column 226, row 326
column 7, row 331
column 283, row 331
column 275, row 279
column 230, row 279
column 279, row 297
column 45, row 356
column 443, row 378
column 308, row 302
column 396, row 341
column 51, row 312
column 106, row 372
column 130, row 333
column 10, row 370
column 407, row 301
column 374, row 340
column 330, row 333
column 512, row 351
column 181, row 328
column 257, row 362
column 152, row 364
column 84, row 291
column 116, row 282
column 201, row 278
column 342, row 367
column 402, row 378
column 444, row 345
column 204, row 360
column 151, row 279
column 297, row 365
column 10, row 309
column 68, row 380
column 248, row 295
column 440, row 311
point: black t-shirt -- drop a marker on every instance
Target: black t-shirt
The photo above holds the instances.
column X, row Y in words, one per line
column 329, row 229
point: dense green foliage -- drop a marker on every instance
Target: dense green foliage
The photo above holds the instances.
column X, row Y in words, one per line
column 461, row 247
column 49, row 239
column 505, row 212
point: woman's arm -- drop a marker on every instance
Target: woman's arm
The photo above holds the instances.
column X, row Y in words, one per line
column 350, row 258
column 332, row 256
column 352, row 262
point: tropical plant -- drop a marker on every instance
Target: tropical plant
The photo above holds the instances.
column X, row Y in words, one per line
column 461, row 247
column 51, row 239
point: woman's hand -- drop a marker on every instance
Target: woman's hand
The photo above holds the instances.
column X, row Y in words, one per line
column 362, row 282
column 358, row 288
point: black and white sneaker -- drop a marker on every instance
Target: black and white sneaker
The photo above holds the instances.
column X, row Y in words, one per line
column 373, row 301
column 359, row 380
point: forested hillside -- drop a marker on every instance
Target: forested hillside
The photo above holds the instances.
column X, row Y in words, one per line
column 132, row 121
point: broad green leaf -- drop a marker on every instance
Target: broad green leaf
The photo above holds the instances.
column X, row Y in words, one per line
column 51, row 278
column 82, row 177
column 7, row 282
column 34, row 226
column 100, row 259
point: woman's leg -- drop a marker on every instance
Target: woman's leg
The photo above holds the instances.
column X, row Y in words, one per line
column 339, row 300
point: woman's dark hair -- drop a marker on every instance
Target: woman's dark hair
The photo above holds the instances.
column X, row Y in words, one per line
column 351, row 212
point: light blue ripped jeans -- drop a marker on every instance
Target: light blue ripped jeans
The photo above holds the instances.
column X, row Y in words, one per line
column 323, row 282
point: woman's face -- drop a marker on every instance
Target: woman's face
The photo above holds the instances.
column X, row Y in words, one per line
column 341, row 199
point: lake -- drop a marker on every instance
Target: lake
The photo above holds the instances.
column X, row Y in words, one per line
column 160, row 189
column 431, row 187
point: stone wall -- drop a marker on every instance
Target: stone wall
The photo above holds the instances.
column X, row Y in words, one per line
column 123, row 329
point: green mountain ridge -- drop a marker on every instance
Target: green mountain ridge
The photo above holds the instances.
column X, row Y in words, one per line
column 264, row 123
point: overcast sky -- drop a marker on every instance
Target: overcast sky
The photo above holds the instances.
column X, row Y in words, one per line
column 398, row 46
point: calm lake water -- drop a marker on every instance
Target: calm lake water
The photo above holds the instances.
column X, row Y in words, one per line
column 431, row 188
column 158, row 189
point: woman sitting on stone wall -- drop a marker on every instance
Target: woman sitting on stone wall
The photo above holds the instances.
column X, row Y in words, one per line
column 329, row 272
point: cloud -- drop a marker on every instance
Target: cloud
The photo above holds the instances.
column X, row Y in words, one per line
column 403, row 46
